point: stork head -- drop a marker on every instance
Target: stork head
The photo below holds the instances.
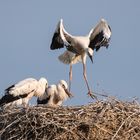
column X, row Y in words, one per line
column 64, row 85
column 44, row 82
column 90, row 54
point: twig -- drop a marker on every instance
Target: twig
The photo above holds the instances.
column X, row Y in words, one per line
column 122, row 125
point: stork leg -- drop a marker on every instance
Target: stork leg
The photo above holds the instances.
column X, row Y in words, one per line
column 90, row 93
column 70, row 77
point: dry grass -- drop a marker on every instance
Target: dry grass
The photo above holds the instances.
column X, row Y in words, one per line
column 110, row 119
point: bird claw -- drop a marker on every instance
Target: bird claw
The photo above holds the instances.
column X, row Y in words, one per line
column 92, row 95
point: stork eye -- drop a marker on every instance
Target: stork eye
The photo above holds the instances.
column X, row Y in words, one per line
column 46, row 85
column 63, row 86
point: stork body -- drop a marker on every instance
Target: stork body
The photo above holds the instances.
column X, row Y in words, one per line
column 55, row 95
column 79, row 47
column 20, row 93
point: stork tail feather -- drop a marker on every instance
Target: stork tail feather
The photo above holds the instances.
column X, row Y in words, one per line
column 68, row 57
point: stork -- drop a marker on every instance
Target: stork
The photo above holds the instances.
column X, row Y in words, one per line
column 79, row 47
column 20, row 93
column 55, row 95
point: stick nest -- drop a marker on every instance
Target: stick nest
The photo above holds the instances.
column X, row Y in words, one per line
column 109, row 119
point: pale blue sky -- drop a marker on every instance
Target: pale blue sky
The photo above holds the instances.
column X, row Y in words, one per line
column 26, row 30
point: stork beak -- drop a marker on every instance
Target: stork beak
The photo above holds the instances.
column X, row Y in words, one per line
column 68, row 93
column 91, row 58
column 107, row 46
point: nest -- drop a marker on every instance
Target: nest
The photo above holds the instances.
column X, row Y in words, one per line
column 109, row 119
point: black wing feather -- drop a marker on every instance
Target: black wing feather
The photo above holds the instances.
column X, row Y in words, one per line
column 57, row 42
column 99, row 41
column 9, row 88
column 45, row 101
column 10, row 98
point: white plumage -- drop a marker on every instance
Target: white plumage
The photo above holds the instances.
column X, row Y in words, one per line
column 78, row 47
column 23, row 91
column 55, row 95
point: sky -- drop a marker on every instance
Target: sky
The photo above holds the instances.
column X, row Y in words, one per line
column 26, row 30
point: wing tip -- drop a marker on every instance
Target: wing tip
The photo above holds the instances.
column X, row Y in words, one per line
column 102, row 19
column 60, row 23
column 61, row 20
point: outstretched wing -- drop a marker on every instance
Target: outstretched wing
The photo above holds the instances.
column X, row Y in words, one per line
column 100, row 35
column 57, row 41
column 60, row 38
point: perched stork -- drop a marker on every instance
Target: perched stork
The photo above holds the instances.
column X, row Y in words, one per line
column 55, row 94
column 23, row 91
column 79, row 47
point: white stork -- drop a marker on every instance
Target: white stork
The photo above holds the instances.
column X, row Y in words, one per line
column 78, row 47
column 55, row 94
column 23, row 91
